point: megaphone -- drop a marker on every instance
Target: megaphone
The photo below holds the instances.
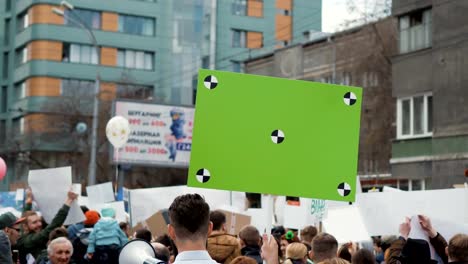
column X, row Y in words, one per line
column 138, row 251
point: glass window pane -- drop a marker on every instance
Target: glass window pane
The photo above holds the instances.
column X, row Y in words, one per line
column 75, row 53
column 120, row 58
column 418, row 111
column 94, row 57
column 405, row 116
column 139, row 59
column 429, row 114
column 148, row 61
column 85, row 54
column 404, row 185
column 243, row 39
column 236, row 38
column 130, row 59
column 121, row 23
column 416, row 185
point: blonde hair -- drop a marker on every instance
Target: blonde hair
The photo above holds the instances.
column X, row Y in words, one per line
column 334, row 261
column 296, row 251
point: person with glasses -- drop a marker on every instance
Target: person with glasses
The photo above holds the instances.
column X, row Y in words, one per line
column 9, row 234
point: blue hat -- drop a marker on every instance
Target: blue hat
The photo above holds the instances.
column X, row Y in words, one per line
column 108, row 212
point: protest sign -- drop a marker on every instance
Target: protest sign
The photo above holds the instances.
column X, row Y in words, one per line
column 275, row 136
column 160, row 134
column 346, row 224
column 119, row 208
column 8, row 199
column 100, row 193
column 51, row 200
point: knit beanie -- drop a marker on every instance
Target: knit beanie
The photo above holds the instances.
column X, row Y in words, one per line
column 108, row 212
column 91, row 217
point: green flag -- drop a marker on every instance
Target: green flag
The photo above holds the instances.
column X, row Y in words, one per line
column 275, row 136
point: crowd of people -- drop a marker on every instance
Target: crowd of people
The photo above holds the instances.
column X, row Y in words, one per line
column 197, row 235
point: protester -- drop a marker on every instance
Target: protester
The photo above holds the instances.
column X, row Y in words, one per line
column 144, row 234
column 74, row 229
column 324, row 246
column 169, row 243
column 106, row 239
column 344, row 252
column 286, row 239
column 222, row 247
column 81, row 241
column 250, row 242
column 307, row 234
column 56, row 233
column 162, row 252
column 125, row 228
column 9, row 234
column 34, row 238
column 334, row 260
column 457, row 249
column 243, row 260
column 363, row 256
column 189, row 228
column 296, row 253
column 60, row 251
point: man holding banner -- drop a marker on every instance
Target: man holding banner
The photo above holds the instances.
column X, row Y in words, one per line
column 34, row 237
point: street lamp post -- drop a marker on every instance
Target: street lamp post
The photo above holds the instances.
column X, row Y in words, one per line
column 94, row 129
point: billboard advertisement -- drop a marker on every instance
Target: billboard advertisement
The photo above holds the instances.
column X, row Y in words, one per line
column 160, row 134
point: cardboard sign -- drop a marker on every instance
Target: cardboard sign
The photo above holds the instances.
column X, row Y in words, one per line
column 275, row 136
column 236, row 221
column 157, row 223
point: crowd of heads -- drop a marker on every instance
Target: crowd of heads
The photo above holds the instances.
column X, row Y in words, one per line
column 193, row 226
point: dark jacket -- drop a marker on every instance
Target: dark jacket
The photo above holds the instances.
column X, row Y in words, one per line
column 252, row 252
column 439, row 243
column 34, row 243
column 223, row 247
column 5, row 249
column 411, row 251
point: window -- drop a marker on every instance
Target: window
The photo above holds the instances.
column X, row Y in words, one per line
column 136, row 25
column 21, row 56
column 18, row 126
column 5, row 65
column 239, row 7
column 92, row 19
column 414, row 116
column 134, row 91
column 4, row 99
column 7, row 32
column 77, row 88
column 370, row 79
column 415, row 31
column 283, row 12
column 239, row 38
column 79, row 53
column 23, row 22
column 8, row 5
column 346, row 78
column 135, row 59
column 20, row 90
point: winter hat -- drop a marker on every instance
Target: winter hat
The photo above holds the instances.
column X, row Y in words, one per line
column 108, row 212
column 91, row 217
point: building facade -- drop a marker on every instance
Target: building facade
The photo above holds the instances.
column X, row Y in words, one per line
column 357, row 57
column 247, row 28
column 429, row 83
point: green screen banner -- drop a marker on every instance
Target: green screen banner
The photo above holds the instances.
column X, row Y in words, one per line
column 275, row 136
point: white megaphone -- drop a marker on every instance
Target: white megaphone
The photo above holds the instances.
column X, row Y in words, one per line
column 138, row 251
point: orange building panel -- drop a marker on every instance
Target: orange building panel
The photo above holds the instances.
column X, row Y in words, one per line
column 108, row 91
column 254, row 40
column 43, row 86
column 284, row 4
column 254, row 8
column 283, row 28
column 42, row 14
column 109, row 56
column 45, row 50
column 110, row 21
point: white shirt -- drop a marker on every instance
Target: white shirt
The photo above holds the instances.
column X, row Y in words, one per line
column 194, row 257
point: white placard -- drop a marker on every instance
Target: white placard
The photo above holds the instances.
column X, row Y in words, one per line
column 19, row 195
column 346, row 224
column 297, row 217
column 100, row 193
column 160, row 134
column 76, row 188
column 318, row 210
column 50, row 188
column 259, row 219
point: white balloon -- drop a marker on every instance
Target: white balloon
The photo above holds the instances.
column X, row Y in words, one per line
column 117, row 131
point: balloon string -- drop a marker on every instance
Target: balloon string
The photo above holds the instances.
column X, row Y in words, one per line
column 116, row 151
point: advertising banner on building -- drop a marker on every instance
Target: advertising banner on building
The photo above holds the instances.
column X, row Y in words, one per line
column 160, row 134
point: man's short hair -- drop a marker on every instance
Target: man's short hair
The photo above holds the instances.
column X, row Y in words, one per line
column 458, row 248
column 59, row 240
column 308, row 233
column 250, row 235
column 324, row 246
column 189, row 215
column 144, row 234
column 162, row 252
column 58, row 232
column 218, row 218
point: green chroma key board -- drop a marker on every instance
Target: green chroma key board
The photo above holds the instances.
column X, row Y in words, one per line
column 275, row 136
